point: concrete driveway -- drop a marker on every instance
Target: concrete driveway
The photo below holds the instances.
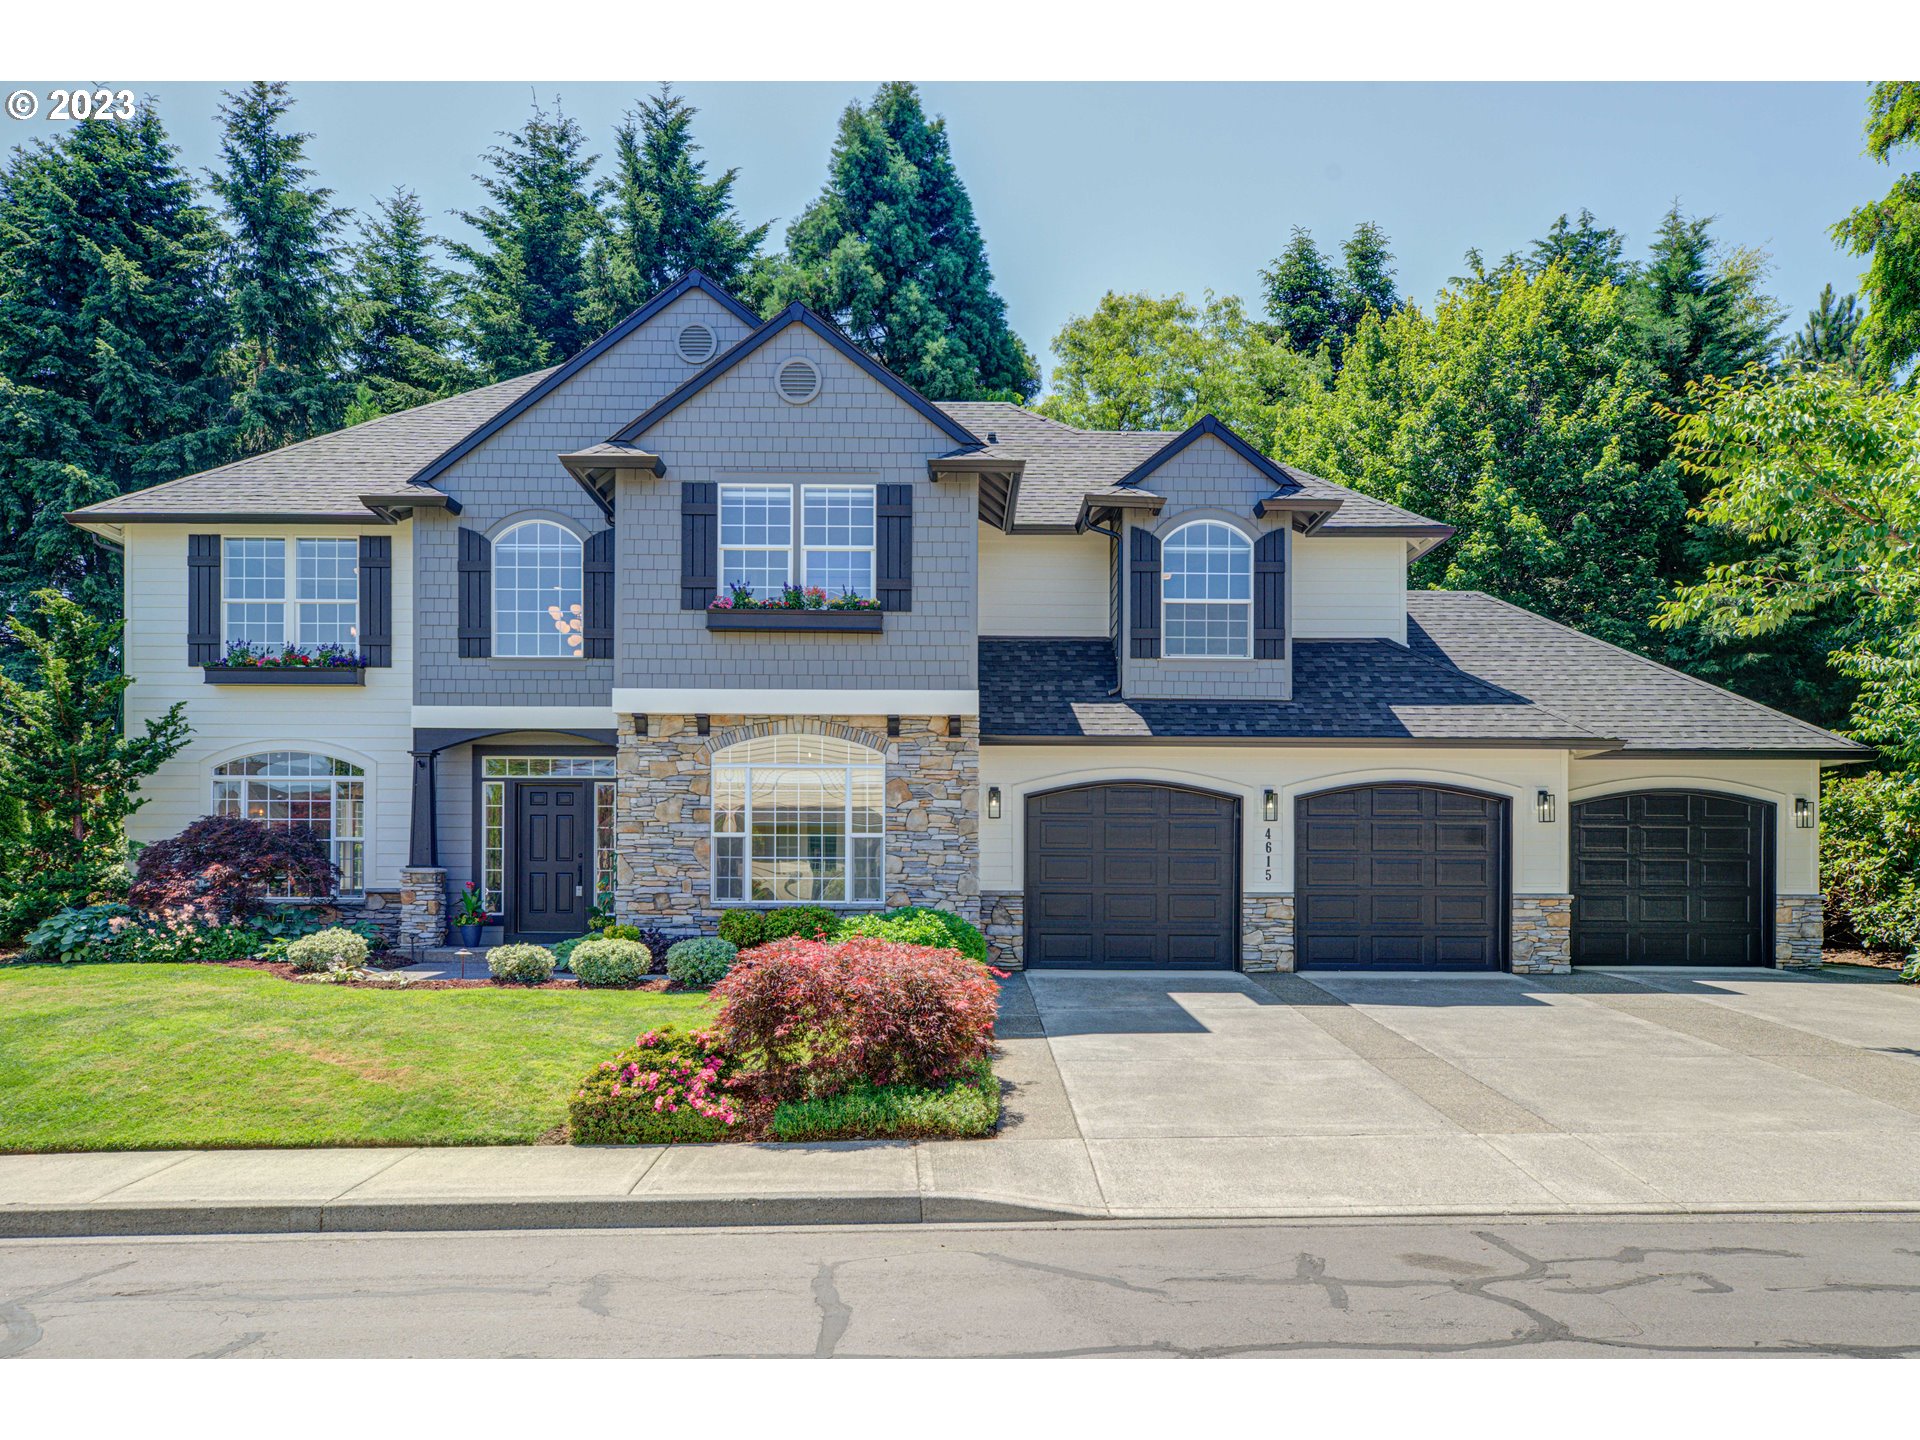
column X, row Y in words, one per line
column 1221, row 1094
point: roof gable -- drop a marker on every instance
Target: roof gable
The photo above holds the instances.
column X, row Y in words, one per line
column 831, row 334
column 1205, row 426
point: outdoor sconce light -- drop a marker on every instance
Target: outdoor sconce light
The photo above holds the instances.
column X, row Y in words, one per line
column 1543, row 806
column 1803, row 814
column 1270, row 805
column 993, row 802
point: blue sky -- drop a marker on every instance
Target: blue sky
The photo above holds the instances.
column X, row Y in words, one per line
column 1083, row 187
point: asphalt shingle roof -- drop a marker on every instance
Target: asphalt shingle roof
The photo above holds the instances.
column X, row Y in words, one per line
column 324, row 478
column 1476, row 670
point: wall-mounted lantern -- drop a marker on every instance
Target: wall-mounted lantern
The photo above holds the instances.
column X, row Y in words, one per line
column 1270, row 805
column 1803, row 813
column 993, row 802
column 1543, row 806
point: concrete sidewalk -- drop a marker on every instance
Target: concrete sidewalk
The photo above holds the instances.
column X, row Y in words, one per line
column 1197, row 1095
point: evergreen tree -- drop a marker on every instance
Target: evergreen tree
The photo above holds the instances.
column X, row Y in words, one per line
column 523, row 300
column 1368, row 283
column 1312, row 304
column 282, row 275
column 1887, row 232
column 664, row 216
column 400, row 337
column 1831, row 336
column 1700, row 312
column 63, row 758
column 111, row 335
column 891, row 251
column 1588, row 251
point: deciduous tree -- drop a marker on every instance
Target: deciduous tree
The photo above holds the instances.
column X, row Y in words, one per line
column 1887, row 233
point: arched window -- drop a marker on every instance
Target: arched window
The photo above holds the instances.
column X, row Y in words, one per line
column 799, row 818
column 1206, row 592
column 285, row 788
column 536, row 591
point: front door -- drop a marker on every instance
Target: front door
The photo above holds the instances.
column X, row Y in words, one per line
column 548, row 895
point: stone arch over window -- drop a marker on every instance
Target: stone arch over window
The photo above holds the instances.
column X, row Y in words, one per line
column 798, row 815
column 538, row 592
column 285, row 789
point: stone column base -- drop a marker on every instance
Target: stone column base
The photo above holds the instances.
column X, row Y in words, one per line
column 1003, row 919
column 1542, row 934
column 1266, row 932
column 1799, row 930
column 423, row 907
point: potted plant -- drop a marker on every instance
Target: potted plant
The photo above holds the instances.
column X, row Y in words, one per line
column 470, row 917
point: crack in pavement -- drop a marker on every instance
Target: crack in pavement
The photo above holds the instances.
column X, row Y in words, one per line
column 233, row 1347
column 22, row 1331
column 1071, row 1274
column 835, row 1313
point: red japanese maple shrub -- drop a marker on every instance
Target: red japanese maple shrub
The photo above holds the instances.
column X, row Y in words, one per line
column 814, row 1018
column 220, row 867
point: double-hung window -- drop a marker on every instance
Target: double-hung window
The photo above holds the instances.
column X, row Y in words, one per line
column 833, row 550
column 1207, row 591
column 277, row 592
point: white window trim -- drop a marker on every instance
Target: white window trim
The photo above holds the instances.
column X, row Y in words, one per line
column 1166, row 650
column 872, row 551
column 735, row 487
column 577, row 652
column 745, row 834
column 364, row 779
column 290, row 599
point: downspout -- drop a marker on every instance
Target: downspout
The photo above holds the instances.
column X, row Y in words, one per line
column 1114, row 536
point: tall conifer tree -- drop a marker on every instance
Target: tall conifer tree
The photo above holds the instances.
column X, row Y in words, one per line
column 401, row 338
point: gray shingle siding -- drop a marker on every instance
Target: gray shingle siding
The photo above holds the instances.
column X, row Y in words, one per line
column 856, row 431
column 516, row 472
column 1207, row 481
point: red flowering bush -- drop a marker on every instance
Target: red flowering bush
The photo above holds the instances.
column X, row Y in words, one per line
column 670, row 1086
column 815, row 1018
column 219, row 868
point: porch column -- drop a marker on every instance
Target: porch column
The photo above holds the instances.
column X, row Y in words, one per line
column 423, row 846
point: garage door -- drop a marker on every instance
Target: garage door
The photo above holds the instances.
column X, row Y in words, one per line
column 1671, row 877
column 1400, row 877
column 1132, row 875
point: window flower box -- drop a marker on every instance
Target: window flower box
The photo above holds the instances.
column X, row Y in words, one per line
column 832, row 622
column 283, row 675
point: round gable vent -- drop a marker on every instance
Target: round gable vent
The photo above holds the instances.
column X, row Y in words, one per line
column 696, row 344
column 798, row 381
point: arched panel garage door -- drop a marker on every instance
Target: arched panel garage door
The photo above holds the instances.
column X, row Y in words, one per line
column 1672, row 877
column 1133, row 875
column 1400, row 877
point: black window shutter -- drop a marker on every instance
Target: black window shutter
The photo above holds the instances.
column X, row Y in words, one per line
column 203, row 599
column 376, row 599
column 893, row 546
column 1144, row 592
column 596, row 620
column 699, row 543
column 476, row 595
column 1270, row 596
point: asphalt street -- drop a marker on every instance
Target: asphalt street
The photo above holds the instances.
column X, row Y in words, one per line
column 1603, row 1286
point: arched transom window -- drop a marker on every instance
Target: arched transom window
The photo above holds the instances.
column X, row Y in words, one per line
column 286, row 788
column 798, row 818
column 1206, row 592
column 537, row 592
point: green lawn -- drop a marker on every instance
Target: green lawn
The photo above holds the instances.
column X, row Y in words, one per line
column 129, row 1057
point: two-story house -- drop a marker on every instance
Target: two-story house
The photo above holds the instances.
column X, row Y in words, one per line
column 1129, row 699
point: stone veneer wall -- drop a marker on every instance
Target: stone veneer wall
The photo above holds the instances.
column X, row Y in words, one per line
column 662, row 815
column 1799, row 929
column 1542, row 934
column 1266, row 932
column 423, row 906
column 1003, row 918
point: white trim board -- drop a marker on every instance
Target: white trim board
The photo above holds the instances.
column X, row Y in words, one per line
column 797, row 702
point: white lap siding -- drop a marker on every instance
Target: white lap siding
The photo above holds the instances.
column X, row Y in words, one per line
column 1044, row 584
column 1346, row 587
column 369, row 726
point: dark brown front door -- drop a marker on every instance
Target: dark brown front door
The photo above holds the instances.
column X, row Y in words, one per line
column 1133, row 875
column 1401, row 877
column 553, row 827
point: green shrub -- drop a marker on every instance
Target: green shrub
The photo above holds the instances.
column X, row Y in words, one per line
column 612, row 931
column 336, row 948
column 84, row 934
column 918, row 925
column 968, row 1106
column 743, row 929
column 700, row 964
column 671, row 1086
column 611, row 962
column 1870, row 857
column 521, row 964
column 809, row 922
